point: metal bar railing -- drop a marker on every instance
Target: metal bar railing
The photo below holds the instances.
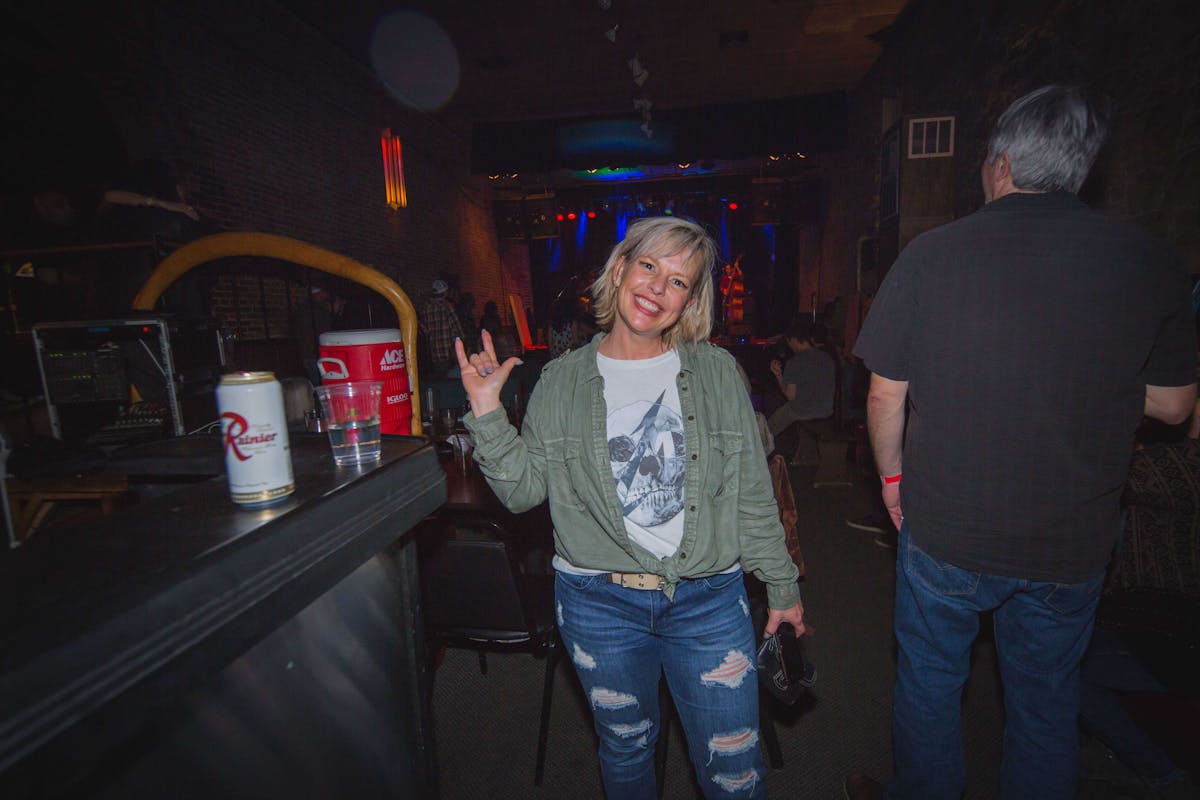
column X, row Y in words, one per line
column 224, row 245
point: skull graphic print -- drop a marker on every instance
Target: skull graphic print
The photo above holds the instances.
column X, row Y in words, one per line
column 646, row 450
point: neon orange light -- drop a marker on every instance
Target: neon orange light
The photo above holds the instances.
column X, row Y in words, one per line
column 393, row 171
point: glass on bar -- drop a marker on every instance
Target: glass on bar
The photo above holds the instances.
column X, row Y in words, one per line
column 351, row 412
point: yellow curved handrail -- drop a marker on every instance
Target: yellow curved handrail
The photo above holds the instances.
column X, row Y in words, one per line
column 223, row 245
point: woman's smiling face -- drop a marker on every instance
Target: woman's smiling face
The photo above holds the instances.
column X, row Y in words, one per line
column 651, row 294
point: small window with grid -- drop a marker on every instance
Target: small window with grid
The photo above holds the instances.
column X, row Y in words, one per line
column 931, row 137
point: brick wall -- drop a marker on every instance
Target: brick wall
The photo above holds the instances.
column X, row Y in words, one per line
column 256, row 306
column 274, row 129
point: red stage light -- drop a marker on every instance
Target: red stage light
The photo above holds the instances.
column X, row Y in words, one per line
column 733, row 206
column 591, row 215
column 571, row 215
column 559, row 217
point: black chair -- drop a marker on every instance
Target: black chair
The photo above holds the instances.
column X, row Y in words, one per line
column 477, row 596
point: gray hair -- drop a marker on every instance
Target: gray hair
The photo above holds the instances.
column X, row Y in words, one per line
column 657, row 237
column 1051, row 136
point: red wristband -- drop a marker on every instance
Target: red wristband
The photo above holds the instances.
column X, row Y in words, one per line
column 891, row 478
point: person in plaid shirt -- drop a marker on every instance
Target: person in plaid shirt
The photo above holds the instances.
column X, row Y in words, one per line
column 440, row 325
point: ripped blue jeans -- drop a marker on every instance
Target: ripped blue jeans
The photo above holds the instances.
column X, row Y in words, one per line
column 621, row 640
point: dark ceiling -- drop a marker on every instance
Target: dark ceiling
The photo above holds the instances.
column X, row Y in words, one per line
column 552, row 58
column 548, row 86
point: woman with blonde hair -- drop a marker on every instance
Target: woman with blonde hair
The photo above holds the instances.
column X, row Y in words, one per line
column 645, row 443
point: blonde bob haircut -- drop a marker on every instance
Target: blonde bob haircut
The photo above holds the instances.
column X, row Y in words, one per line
column 659, row 237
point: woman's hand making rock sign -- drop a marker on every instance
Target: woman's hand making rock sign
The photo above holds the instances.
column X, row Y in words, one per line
column 483, row 376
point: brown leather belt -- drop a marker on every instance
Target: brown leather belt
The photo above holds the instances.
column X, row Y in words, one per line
column 638, row 580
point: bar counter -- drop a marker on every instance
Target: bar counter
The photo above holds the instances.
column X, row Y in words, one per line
column 188, row 647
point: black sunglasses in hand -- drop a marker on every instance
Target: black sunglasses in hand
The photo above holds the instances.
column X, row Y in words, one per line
column 782, row 666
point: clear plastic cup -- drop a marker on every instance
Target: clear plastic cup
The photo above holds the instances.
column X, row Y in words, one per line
column 351, row 417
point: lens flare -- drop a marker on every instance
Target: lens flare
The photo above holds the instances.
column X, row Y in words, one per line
column 415, row 59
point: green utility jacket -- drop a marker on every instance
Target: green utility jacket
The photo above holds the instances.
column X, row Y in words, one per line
column 562, row 453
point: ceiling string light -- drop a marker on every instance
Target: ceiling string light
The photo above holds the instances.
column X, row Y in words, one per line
column 637, row 70
column 640, row 73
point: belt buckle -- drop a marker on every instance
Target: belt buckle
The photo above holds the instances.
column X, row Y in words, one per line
column 640, row 580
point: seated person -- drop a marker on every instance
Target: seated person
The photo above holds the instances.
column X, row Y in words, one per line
column 807, row 380
column 568, row 329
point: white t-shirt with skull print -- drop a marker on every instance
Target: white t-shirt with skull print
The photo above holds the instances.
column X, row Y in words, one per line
column 646, row 447
column 646, row 450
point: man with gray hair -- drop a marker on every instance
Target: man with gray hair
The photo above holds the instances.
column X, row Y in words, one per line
column 1013, row 354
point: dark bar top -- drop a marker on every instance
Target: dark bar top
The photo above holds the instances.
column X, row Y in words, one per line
column 181, row 583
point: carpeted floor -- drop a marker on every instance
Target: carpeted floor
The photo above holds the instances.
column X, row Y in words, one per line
column 486, row 725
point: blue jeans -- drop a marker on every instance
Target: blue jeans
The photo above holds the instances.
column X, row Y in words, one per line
column 622, row 640
column 1042, row 630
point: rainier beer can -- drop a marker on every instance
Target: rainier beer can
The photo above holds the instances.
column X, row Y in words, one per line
column 258, row 459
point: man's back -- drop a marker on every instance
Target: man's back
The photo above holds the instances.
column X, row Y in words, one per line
column 1025, row 332
column 1021, row 345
